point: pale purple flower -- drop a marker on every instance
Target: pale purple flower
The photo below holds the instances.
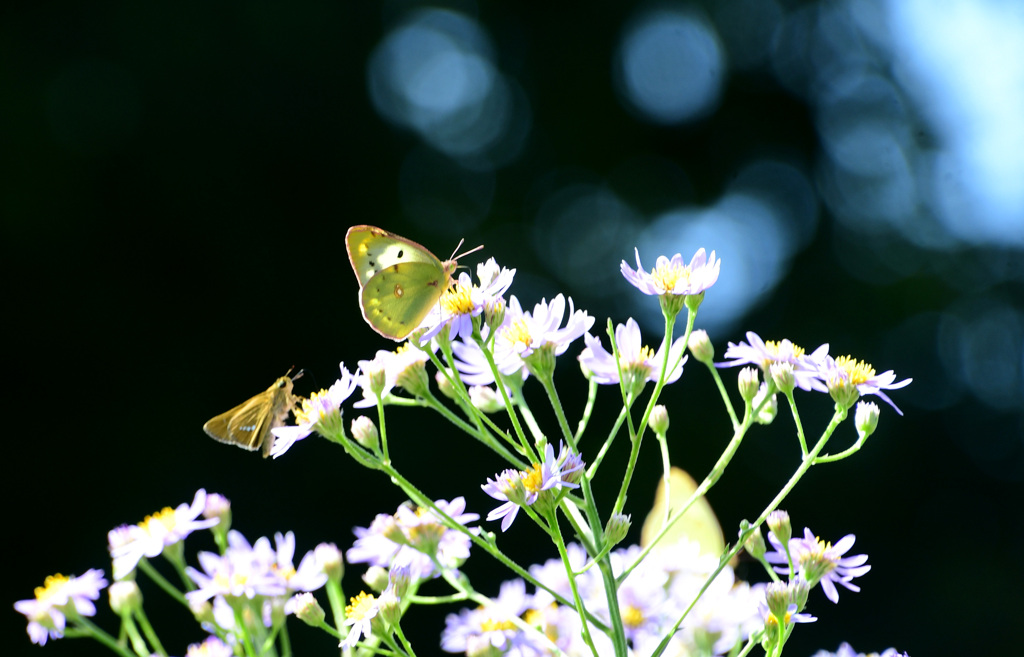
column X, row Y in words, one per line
column 212, row 647
column 463, row 301
column 46, row 612
column 517, row 488
column 525, row 332
column 639, row 363
column 415, row 538
column 393, row 364
column 673, row 276
column 508, row 488
column 849, row 370
column 820, row 562
column 806, row 367
column 490, row 627
column 151, row 536
column 472, row 364
column 320, row 412
column 243, row 571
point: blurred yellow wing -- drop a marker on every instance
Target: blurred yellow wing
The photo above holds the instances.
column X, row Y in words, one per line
column 697, row 524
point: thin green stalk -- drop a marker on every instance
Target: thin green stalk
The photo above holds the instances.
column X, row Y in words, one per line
column 147, row 629
column 581, row 427
column 528, row 450
column 160, row 581
column 796, row 420
column 556, row 535
column 485, row 437
column 616, row 427
column 94, row 632
column 724, row 393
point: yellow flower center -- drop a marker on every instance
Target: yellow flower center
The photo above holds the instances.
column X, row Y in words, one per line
column 491, row 625
column 632, row 616
column 457, row 299
column 312, row 410
column 164, row 516
column 857, row 370
column 533, row 478
column 51, row 585
column 667, row 275
column 359, row 605
column 773, row 347
column 519, row 332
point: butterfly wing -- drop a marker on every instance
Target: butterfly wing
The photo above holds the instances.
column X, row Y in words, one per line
column 372, row 250
column 698, row 524
column 248, row 425
column 395, row 300
column 242, row 424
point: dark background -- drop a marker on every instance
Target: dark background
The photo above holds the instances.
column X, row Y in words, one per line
column 176, row 184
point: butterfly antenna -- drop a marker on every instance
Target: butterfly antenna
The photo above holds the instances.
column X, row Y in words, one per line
column 463, row 255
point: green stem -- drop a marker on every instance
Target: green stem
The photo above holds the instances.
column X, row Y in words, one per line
column 528, row 450
column 799, row 425
column 724, row 393
column 556, row 535
column 587, row 410
column 482, row 435
column 616, row 427
column 160, row 581
column 94, row 632
column 147, row 629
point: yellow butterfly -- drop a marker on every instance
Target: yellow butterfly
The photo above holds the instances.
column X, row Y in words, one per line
column 248, row 425
column 697, row 524
column 399, row 280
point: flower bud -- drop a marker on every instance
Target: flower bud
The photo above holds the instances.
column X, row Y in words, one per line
column 328, row 556
column 376, row 578
column 444, row 385
column 778, row 523
column 125, row 597
column 364, row 432
column 701, row 347
column 782, row 375
column 659, row 419
column 399, row 579
column 494, row 314
column 308, row 610
column 748, row 383
column 485, row 399
column 754, row 543
column 218, row 506
column 617, row 528
column 799, row 589
column 778, row 597
column 390, row 607
column 866, row 419
column 376, row 377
